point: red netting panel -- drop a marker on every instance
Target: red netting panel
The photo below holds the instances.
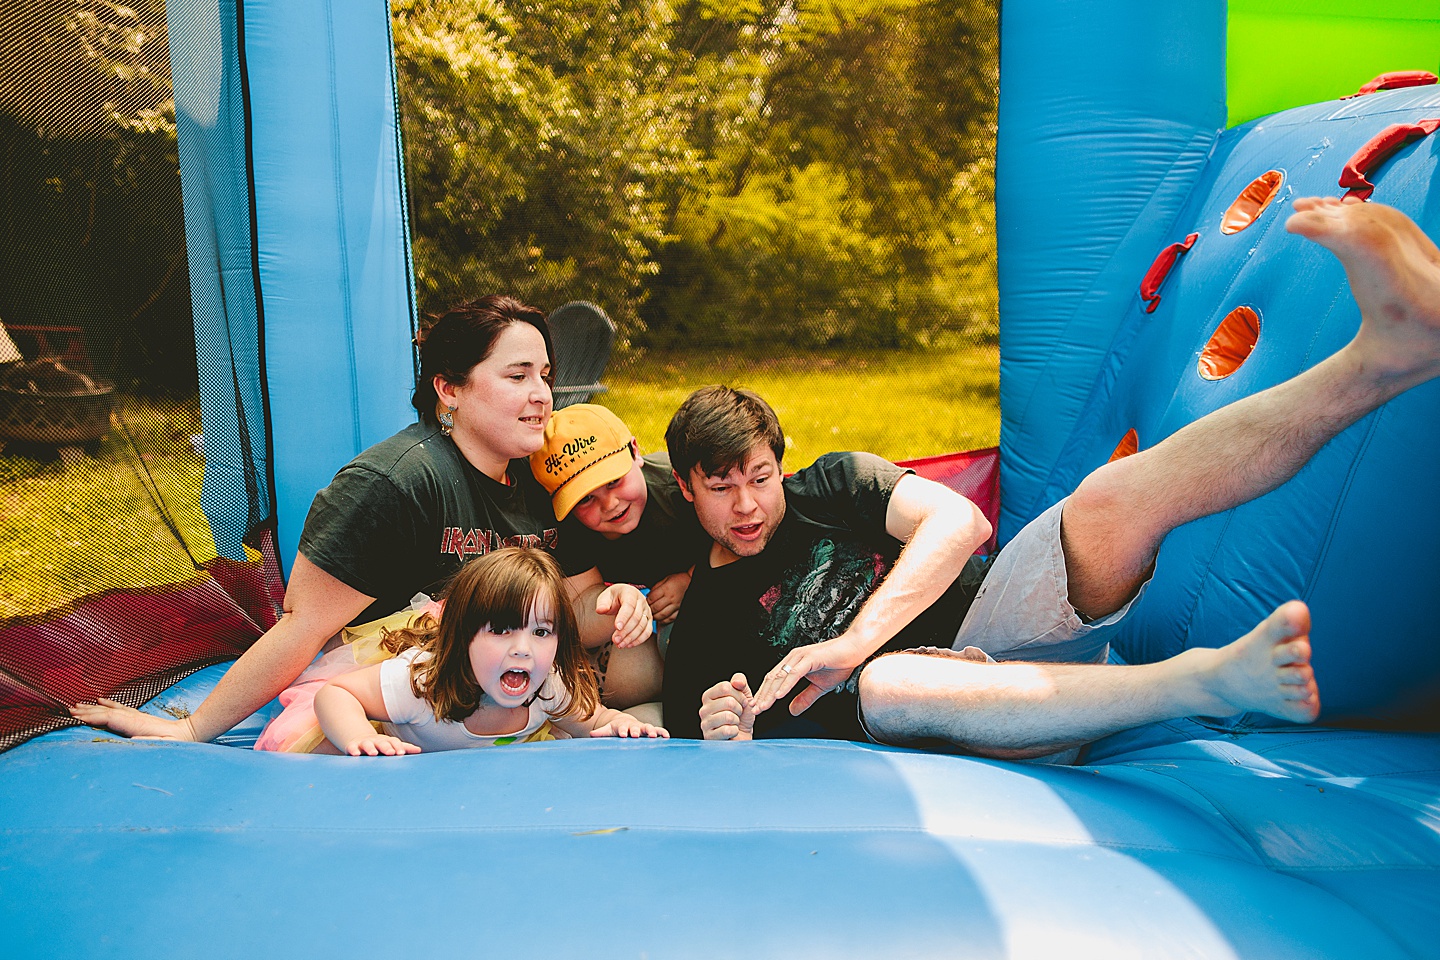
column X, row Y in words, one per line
column 130, row 644
column 974, row 474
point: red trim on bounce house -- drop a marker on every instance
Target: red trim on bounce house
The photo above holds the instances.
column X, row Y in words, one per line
column 1160, row 269
column 974, row 474
column 1394, row 80
column 129, row 644
column 1377, row 151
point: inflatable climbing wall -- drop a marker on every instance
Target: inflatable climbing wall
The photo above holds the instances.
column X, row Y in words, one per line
column 1095, row 201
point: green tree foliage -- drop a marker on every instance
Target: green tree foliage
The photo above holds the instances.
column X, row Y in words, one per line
column 711, row 171
column 91, row 229
column 538, row 137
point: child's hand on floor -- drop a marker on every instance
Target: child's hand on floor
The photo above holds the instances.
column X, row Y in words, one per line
column 666, row 595
column 377, row 744
column 624, row 725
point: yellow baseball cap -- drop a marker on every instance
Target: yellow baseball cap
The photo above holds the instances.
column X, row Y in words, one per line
column 586, row 447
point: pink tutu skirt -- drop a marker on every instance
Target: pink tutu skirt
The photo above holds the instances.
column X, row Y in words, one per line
column 296, row 730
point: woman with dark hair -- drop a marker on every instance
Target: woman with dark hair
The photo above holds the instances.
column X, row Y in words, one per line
column 402, row 518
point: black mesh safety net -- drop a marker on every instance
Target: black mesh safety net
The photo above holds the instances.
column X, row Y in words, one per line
column 794, row 196
column 109, row 580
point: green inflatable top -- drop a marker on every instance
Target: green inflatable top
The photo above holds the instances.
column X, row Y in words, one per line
column 1285, row 53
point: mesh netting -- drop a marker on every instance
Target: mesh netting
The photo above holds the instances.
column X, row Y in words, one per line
column 111, row 581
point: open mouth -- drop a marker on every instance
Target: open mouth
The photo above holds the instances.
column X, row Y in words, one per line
column 620, row 517
column 748, row 531
column 515, row 682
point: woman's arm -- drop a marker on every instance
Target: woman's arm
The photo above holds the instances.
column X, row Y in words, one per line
column 346, row 705
column 317, row 606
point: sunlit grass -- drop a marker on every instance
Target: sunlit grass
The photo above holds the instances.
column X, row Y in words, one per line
column 897, row 405
column 78, row 526
column 74, row 529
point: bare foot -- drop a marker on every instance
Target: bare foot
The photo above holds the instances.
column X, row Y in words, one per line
column 1268, row 670
column 1394, row 273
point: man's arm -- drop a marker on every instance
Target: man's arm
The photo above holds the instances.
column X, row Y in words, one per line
column 940, row 530
column 617, row 612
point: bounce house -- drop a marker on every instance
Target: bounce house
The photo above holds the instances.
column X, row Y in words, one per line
column 1148, row 154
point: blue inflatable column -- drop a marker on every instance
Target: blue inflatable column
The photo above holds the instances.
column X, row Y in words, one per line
column 311, row 130
column 1108, row 111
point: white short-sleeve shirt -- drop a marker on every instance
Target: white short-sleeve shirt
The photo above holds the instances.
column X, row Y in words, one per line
column 412, row 719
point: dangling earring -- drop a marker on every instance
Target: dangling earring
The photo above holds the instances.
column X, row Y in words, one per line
column 447, row 421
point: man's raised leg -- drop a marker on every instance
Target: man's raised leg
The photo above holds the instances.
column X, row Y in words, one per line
column 1022, row 710
column 1115, row 521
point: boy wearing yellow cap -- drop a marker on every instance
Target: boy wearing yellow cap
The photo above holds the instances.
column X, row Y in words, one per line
column 619, row 512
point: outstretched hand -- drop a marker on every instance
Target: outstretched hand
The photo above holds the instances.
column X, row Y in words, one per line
column 633, row 620
column 129, row 722
column 624, row 725
column 825, row 665
column 379, row 744
column 666, row 595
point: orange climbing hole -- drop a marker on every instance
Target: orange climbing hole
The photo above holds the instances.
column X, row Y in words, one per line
column 1231, row 343
column 1252, row 201
column 1130, row 443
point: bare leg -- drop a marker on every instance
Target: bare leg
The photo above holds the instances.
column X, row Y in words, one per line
column 628, row 676
column 1115, row 521
column 1022, row 710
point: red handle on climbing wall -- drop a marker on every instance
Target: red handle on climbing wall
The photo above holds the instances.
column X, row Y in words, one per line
column 1377, row 151
column 1160, row 269
column 1397, row 79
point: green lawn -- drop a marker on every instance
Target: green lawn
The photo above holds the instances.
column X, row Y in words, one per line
column 73, row 529
column 896, row 404
column 76, row 528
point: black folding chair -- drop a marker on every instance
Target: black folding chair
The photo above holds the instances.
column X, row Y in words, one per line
column 583, row 336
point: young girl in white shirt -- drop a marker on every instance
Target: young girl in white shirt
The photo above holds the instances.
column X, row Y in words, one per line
column 502, row 665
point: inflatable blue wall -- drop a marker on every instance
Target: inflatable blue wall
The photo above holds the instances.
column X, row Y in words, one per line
column 293, row 183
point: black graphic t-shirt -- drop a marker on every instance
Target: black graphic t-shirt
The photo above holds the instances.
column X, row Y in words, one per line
column 668, row 539
column 829, row 554
column 403, row 517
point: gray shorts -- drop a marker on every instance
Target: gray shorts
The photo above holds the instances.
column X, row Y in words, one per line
column 1023, row 610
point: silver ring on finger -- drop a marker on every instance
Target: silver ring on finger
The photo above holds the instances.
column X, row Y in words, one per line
column 786, row 667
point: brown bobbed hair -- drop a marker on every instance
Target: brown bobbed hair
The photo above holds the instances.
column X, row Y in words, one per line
column 452, row 343
column 717, row 427
column 499, row 589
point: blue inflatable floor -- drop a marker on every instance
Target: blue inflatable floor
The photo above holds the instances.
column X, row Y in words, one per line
column 1173, row 841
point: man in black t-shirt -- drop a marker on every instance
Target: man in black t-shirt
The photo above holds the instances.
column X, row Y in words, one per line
column 809, row 558
column 809, row 578
column 824, row 559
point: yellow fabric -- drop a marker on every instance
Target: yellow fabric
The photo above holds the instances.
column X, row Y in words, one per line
column 364, row 640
